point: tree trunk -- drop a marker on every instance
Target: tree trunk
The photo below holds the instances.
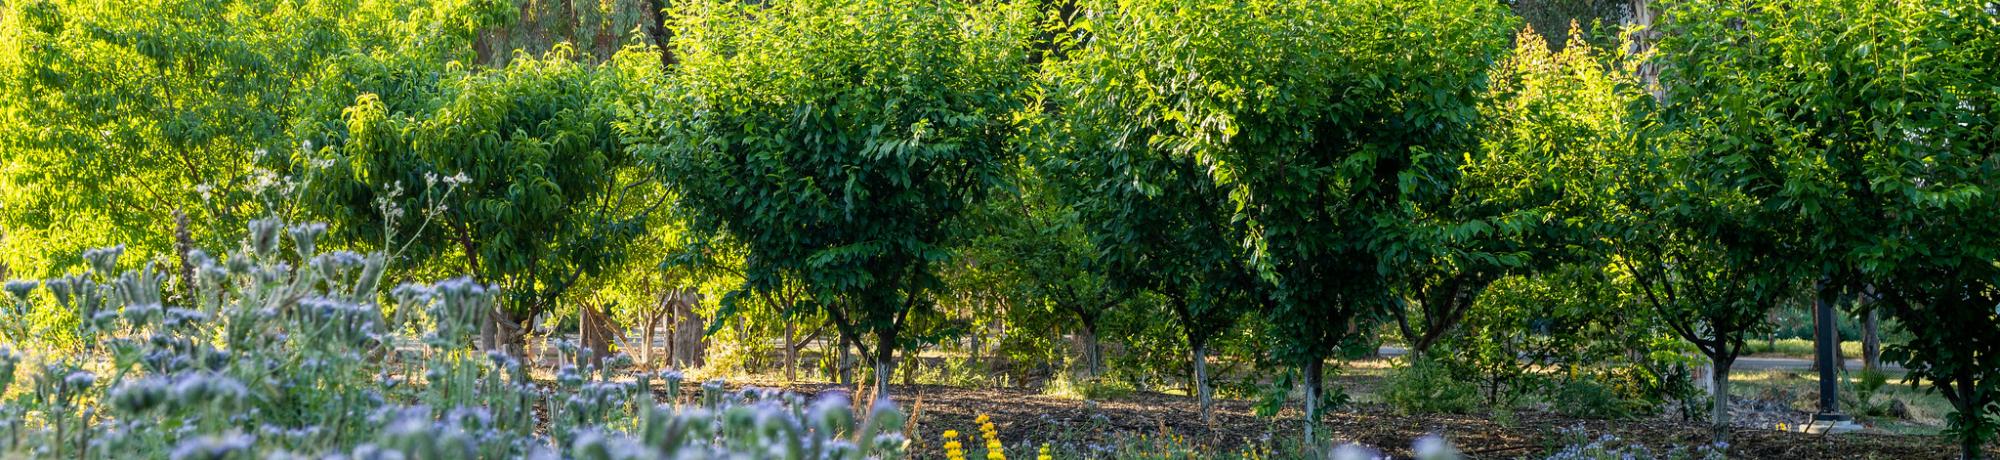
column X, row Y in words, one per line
column 499, row 333
column 1202, row 393
column 647, row 336
column 980, row 343
column 1093, row 351
column 754, row 357
column 1721, row 410
column 1966, row 404
column 846, row 363
column 583, row 337
column 916, row 362
column 1771, row 335
column 885, row 361
column 791, row 352
column 488, row 328
column 1839, row 354
column 1871, row 342
column 674, row 319
column 1313, row 371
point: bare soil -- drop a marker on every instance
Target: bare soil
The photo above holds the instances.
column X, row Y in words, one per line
column 1025, row 417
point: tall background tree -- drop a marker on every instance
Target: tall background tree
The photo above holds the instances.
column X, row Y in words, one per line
column 836, row 139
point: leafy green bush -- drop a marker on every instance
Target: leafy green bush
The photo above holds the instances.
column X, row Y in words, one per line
column 1590, row 399
column 1860, row 391
column 1426, row 386
column 1094, row 388
column 1271, row 398
column 964, row 372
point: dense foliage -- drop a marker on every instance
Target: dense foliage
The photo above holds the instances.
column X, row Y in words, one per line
column 119, row 117
column 1857, row 145
column 1585, row 207
column 514, row 176
column 836, row 143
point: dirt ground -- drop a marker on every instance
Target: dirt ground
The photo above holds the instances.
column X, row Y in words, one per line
column 1025, row 417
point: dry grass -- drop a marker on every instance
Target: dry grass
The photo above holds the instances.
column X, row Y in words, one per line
column 1927, row 410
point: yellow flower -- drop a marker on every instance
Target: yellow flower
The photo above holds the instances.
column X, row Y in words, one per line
column 981, row 419
column 952, row 449
column 994, row 451
column 1043, row 454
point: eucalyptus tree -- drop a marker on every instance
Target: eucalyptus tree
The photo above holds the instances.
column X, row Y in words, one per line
column 515, row 176
column 1871, row 125
column 836, row 140
column 1315, row 124
column 114, row 116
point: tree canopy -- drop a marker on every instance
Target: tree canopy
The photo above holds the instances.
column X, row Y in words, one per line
column 1089, row 196
column 836, row 141
column 516, row 176
column 115, row 116
column 1862, row 134
column 1316, row 121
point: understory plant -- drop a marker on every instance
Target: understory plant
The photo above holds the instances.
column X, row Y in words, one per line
column 1427, row 386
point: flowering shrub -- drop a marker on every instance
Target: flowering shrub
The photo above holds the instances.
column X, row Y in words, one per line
column 288, row 354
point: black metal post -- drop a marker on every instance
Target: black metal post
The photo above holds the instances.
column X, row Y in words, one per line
column 1825, row 340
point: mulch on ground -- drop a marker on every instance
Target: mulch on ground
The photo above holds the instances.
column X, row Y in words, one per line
column 1028, row 418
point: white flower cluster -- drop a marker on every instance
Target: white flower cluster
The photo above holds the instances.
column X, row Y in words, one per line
column 432, row 179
